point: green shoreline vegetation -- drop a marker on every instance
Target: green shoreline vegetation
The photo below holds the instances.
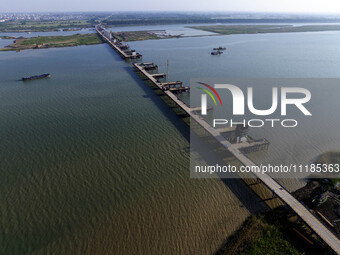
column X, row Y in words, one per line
column 7, row 37
column 277, row 231
column 40, row 42
column 128, row 36
column 44, row 26
column 256, row 29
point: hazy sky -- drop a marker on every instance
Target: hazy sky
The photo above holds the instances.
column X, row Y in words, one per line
column 305, row 6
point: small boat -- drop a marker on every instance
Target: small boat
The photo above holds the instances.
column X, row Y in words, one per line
column 220, row 48
column 216, row 52
column 45, row 75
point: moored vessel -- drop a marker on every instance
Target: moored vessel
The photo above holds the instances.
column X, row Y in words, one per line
column 216, row 52
column 220, row 48
column 45, row 75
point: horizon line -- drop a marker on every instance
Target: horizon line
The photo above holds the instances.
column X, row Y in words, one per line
column 178, row 11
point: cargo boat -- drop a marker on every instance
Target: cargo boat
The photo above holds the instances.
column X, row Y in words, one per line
column 217, row 52
column 220, row 48
column 45, row 75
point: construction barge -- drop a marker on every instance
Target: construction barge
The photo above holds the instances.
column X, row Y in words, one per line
column 35, row 77
column 218, row 51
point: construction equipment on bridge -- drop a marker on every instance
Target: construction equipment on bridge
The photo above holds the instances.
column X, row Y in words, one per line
column 176, row 86
column 159, row 75
column 327, row 236
column 116, row 44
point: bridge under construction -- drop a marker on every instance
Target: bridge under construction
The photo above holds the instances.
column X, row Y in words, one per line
column 169, row 89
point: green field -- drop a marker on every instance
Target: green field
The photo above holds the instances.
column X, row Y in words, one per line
column 273, row 233
column 135, row 36
column 54, row 41
column 141, row 36
column 42, row 26
column 255, row 29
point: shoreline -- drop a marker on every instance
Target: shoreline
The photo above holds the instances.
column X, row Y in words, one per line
column 45, row 42
column 281, row 228
column 144, row 35
column 321, row 195
column 265, row 29
column 278, row 231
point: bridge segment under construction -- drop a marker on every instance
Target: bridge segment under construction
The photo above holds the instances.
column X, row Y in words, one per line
column 169, row 89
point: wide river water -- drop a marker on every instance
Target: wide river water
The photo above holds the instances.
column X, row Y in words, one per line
column 94, row 162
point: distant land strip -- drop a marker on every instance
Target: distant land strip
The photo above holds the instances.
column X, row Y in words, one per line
column 256, row 29
column 41, row 42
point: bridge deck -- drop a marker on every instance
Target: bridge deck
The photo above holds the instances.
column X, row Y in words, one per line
column 324, row 233
column 276, row 188
column 121, row 52
column 166, row 87
column 198, row 109
column 226, row 129
column 159, row 75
